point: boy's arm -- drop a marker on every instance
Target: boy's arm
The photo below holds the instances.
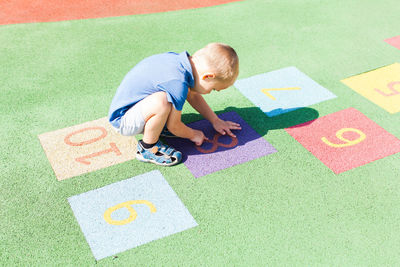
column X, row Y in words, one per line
column 178, row 128
column 199, row 103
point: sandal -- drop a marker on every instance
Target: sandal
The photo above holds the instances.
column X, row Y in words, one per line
column 159, row 154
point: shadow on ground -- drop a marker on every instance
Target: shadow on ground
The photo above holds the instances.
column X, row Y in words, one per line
column 260, row 122
column 253, row 116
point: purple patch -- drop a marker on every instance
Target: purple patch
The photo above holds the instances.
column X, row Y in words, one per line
column 222, row 151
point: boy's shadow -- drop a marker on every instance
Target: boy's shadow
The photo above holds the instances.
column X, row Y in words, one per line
column 254, row 117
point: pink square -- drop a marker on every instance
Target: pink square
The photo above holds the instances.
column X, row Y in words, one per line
column 395, row 41
column 344, row 140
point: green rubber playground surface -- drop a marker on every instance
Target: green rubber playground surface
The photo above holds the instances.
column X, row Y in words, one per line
column 283, row 209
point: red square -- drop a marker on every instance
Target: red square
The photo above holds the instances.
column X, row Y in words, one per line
column 346, row 139
column 395, row 41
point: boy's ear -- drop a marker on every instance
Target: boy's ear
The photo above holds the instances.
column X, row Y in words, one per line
column 208, row 75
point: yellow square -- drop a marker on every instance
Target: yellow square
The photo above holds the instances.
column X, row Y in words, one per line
column 381, row 86
column 86, row 147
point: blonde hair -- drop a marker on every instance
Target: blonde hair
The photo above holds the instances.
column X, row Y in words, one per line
column 222, row 59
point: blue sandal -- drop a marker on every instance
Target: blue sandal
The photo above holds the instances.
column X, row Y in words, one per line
column 159, row 154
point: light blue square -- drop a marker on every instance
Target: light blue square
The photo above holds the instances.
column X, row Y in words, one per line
column 309, row 93
column 105, row 238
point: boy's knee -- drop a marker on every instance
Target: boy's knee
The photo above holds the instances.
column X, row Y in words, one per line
column 163, row 104
column 156, row 104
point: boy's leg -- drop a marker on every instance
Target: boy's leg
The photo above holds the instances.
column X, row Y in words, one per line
column 149, row 117
column 155, row 110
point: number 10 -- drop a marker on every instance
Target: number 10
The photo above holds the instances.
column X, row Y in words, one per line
column 84, row 159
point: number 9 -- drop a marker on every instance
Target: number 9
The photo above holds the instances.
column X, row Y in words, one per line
column 127, row 205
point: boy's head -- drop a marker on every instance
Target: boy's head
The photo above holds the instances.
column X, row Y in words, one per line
column 216, row 67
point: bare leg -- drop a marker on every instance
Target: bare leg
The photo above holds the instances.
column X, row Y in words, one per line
column 155, row 110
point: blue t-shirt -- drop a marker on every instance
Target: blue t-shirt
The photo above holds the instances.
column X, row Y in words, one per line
column 168, row 72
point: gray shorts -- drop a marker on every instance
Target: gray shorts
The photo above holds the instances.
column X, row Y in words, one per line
column 132, row 123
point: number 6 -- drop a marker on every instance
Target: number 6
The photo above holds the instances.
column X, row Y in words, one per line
column 339, row 135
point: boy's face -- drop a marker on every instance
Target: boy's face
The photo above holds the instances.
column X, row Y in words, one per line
column 208, row 83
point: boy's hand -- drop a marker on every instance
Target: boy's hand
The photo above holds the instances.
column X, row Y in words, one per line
column 225, row 127
column 198, row 137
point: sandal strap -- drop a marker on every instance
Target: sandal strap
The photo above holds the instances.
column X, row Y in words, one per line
column 165, row 149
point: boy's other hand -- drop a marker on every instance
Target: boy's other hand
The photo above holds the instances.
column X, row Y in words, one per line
column 198, row 137
column 225, row 127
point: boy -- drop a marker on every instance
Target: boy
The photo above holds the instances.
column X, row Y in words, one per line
column 152, row 95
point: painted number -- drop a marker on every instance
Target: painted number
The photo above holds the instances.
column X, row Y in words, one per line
column 215, row 144
column 392, row 89
column 102, row 134
column 113, row 148
column 347, row 142
column 68, row 141
column 128, row 206
column 267, row 93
